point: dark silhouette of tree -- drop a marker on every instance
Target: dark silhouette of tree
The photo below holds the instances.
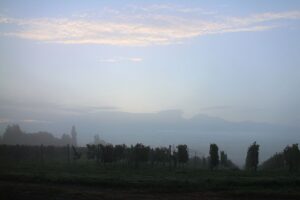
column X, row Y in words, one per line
column 214, row 156
column 76, row 153
column 140, row 153
column 91, row 151
column 252, row 157
column 119, row 152
column 204, row 162
column 174, row 157
column 107, row 153
column 160, row 155
column 292, row 157
column 223, row 159
column 274, row 162
column 182, row 153
column 74, row 136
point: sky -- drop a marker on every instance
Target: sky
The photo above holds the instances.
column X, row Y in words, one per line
column 235, row 60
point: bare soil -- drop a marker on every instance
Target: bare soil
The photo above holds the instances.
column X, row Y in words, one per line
column 48, row 191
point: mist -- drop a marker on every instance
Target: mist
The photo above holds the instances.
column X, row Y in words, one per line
column 166, row 128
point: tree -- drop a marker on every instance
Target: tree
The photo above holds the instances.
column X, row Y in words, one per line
column 140, row 153
column 107, row 153
column 252, row 157
column 274, row 162
column 160, row 155
column 291, row 157
column 119, row 152
column 214, row 156
column 204, row 162
column 91, row 151
column 182, row 153
column 76, row 154
column 224, row 159
column 74, row 136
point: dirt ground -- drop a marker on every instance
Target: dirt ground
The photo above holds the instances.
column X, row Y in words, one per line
column 33, row 191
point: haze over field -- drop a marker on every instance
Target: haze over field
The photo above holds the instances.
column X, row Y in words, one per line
column 157, row 72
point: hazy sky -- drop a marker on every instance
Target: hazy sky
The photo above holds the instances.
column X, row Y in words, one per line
column 238, row 60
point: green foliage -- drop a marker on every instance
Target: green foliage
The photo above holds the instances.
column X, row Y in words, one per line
column 160, row 155
column 214, row 156
column 91, row 151
column 182, row 153
column 275, row 162
column 252, row 157
column 224, row 159
column 119, row 152
column 141, row 153
column 76, row 153
column 107, row 153
column 292, row 157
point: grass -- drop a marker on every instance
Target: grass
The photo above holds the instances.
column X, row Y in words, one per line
column 158, row 178
column 89, row 180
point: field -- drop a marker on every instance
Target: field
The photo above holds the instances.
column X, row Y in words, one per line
column 90, row 180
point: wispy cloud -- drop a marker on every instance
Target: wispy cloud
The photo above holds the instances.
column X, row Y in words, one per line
column 47, row 107
column 142, row 29
column 121, row 59
column 216, row 108
column 171, row 8
column 10, row 121
column 35, row 121
column 4, row 120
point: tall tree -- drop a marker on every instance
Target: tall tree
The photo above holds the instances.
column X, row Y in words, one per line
column 274, row 162
column 107, row 153
column 214, row 156
column 91, row 151
column 74, row 136
column 292, row 157
column 252, row 157
column 119, row 152
column 140, row 153
column 182, row 153
column 224, row 159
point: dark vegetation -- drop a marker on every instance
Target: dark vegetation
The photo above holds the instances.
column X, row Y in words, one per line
column 252, row 157
column 139, row 170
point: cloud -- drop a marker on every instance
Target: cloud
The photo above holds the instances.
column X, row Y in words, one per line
column 4, row 120
column 8, row 121
column 216, row 108
column 142, row 28
column 87, row 109
column 14, row 106
column 35, row 121
column 171, row 8
column 121, row 59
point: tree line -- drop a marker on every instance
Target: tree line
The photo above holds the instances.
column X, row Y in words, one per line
column 141, row 155
column 135, row 155
column 288, row 158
